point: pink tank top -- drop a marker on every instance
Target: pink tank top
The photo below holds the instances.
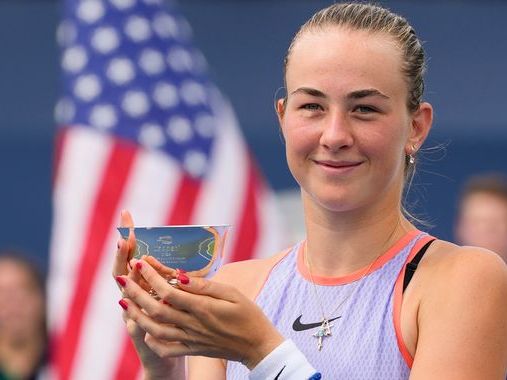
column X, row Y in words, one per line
column 364, row 343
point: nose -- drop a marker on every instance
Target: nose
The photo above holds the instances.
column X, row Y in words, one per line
column 337, row 132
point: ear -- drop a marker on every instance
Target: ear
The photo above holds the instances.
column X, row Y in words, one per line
column 420, row 127
column 280, row 109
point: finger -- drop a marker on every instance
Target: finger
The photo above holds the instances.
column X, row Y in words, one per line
column 135, row 276
column 165, row 271
column 201, row 286
column 178, row 298
column 120, row 264
column 126, row 219
column 141, row 281
column 143, row 321
column 159, row 311
column 167, row 349
column 123, row 252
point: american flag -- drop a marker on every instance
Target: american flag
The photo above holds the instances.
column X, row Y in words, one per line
column 141, row 128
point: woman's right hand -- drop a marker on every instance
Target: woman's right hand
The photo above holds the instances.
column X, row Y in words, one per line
column 154, row 366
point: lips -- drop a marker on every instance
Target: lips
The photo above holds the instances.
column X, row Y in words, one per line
column 338, row 164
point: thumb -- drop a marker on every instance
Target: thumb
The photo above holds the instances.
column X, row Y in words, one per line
column 126, row 219
column 201, row 286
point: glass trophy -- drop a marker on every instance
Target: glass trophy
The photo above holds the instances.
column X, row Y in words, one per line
column 196, row 249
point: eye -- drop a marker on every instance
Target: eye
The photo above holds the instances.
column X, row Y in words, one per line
column 311, row 107
column 364, row 109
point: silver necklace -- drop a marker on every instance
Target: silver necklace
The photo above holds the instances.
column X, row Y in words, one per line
column 325, row 327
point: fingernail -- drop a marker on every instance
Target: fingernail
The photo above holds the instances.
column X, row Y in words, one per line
column 120, row 280
column 124, row 305
column 183, row 278
column 166, row 303
column 139, row 265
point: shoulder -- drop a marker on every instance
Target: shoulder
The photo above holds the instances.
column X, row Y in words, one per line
column 249, row 276
column 460, row 312
column 450, row 263
column 449, row 270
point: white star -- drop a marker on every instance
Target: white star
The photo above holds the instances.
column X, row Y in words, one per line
column 103, row 116
column 120, row 71
column 179, row 129
column 205, row 125
column 135, row 103
column 151, row 135
column 195, row 163
column 87, row 87
column 105, row 39
column 165, row 95
column 74, row 59
column 64, row 111
column 179, row 59
column 90, row 11
column 151, row 61
column 137, row 28
column 123, row 4
column 165, row 25
column 192, row 93
column 66, row 33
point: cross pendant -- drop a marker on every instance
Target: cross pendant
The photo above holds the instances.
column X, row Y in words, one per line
column 324, row 330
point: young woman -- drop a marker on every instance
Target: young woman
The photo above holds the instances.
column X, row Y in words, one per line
column 341, row 303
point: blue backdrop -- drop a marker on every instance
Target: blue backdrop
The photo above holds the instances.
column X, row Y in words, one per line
column 245, row 42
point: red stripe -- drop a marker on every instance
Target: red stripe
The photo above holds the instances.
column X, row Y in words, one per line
column 184, row 201
column 57, row 153
column 248, row 231
column 102, row 218
column 181, row 213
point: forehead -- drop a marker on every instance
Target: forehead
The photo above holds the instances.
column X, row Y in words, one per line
column 12, row 271
column 485, row 202
column 342, row 58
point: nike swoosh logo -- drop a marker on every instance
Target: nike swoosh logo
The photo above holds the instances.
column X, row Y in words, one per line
column 279, row 373
column 298, row 326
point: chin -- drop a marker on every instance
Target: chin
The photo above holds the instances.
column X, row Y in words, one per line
column 336, row 202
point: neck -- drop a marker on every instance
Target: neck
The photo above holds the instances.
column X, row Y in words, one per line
column 340, row 243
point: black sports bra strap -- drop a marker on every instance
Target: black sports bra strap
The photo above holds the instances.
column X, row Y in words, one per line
column 412, row 265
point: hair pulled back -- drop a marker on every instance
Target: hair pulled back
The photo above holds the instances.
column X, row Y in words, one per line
column 375, row 19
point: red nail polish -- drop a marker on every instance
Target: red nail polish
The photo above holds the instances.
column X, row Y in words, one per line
column 120, row 280
column 166, row 303
column 139, row 265
column 183, row 278
column 124, row 305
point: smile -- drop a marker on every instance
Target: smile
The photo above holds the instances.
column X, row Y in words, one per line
column 338, row 166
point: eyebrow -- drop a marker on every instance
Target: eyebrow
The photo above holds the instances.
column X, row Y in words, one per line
column 359, row 94
column 309, row 91
column 365, row 93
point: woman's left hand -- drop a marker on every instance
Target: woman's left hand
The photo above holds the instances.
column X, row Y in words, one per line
column 202, row 318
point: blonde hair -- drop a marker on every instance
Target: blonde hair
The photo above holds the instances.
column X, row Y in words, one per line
column 375, row 19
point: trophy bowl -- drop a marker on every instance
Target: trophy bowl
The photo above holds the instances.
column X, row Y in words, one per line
column 197, row 249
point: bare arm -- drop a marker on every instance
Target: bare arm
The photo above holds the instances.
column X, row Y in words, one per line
column 462, row 319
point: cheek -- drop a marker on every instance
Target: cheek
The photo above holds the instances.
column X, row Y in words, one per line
column 299, row 138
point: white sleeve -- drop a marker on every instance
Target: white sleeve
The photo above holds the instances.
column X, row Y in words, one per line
column 285, row 362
